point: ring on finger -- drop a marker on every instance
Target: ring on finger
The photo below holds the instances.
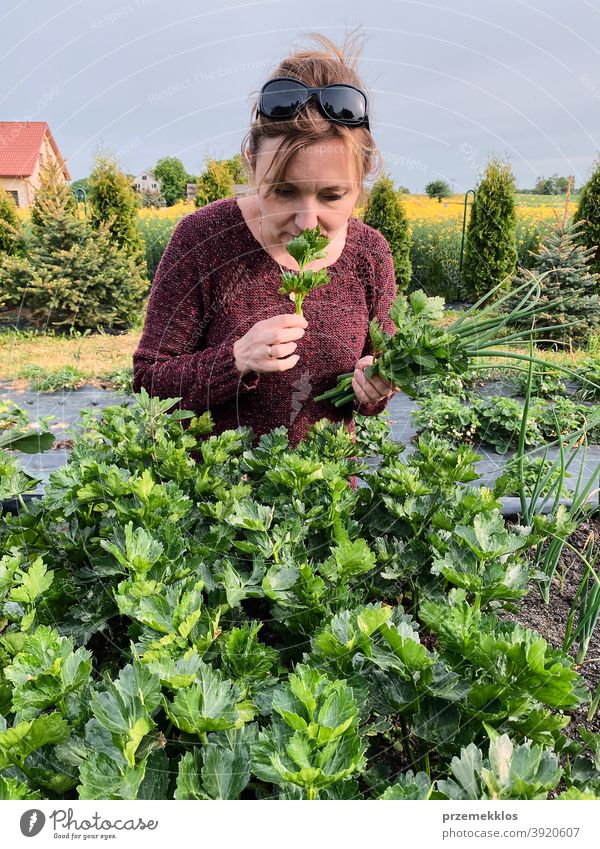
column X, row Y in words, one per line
column 269, row 352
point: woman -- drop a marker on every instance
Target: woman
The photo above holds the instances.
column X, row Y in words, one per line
column 217, row 333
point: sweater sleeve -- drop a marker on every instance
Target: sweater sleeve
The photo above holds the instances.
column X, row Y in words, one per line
column 166, row 362
column 380, row 297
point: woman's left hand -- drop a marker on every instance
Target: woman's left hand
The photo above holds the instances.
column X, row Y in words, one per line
column 370, row 391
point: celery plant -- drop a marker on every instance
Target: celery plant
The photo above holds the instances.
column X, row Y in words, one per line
column 307, row 247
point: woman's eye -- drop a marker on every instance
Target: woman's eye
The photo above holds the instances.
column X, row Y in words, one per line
column 327, row 197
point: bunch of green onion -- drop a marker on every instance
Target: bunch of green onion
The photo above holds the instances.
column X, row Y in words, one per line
column 421, row 348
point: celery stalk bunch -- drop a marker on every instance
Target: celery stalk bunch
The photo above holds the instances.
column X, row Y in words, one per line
column 307, row 246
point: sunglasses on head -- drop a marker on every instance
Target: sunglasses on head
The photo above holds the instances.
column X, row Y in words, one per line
column 341, row 103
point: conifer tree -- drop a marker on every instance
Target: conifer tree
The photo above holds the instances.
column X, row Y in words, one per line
column 112, row 199
column 571, row 277
column 73, row 274
column 54, row 216
column 588, row 211
column 491, row 243
column 386, row 214
column 11, row 230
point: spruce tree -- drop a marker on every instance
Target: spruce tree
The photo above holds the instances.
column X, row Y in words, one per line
column 112, row 199
column 588, row 212
column 11, row 230
column 386, row 214
column 570, row 277
column 54, row 215
column 73, row 274
column 491, row 243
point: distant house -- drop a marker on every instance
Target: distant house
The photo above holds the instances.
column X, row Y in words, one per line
column 146, row 181
column 24, row 147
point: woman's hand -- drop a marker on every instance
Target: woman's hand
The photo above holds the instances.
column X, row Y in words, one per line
column 370, row 391
column 274, row 335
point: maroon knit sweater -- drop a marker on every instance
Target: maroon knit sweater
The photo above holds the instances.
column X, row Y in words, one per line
column 214, row 281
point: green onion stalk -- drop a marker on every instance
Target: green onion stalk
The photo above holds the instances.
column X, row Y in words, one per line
column 421, row 348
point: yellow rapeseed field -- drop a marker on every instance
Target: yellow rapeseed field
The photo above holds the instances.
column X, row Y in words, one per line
column 418, row 208
column 425, row 210
column 169, row 213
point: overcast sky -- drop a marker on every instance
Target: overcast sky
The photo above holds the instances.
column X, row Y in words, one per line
column 452, row 81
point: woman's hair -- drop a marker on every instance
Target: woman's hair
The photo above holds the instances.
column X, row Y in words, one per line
column 309, row 126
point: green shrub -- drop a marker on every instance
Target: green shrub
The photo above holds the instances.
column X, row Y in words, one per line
column 11, row 231
column 386, row 214
column 215, row 182
column 172, row 176
column 112, row 200
column 568, row 274
column 501, row 423
column 590, row 370
column 122, row 380
column 547, row 383
column 156, row 233
column 448, row 417
column 73, row 274
column 434, row 257
column 490, row 245
column 588, row 212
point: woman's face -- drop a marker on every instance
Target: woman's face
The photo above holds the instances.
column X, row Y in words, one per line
column 320, row 188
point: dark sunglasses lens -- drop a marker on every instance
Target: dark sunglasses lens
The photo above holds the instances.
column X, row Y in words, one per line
column 282, row 97
column 344, row 104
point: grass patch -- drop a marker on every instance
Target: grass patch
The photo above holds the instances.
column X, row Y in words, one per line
column 98, row 355
column 41, row 380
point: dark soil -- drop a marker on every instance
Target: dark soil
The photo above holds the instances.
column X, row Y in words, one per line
column 550, row 620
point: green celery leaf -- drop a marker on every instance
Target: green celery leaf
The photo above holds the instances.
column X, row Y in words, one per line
column 103, row 778
column 224, row 773
column 208, row 705
column 409, row 786
column 18, row 742
column 189, row 786
column 126, row 708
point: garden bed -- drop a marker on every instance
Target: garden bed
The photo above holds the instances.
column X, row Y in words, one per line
column 250, row 616
column 551, row 619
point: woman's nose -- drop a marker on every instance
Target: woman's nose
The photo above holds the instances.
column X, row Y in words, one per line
column 306, row 219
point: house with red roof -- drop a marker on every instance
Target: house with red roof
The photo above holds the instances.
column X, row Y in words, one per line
column 24, row 147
